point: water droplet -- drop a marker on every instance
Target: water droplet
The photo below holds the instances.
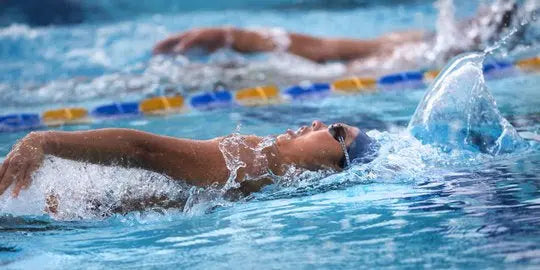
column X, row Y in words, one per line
column 344, row 148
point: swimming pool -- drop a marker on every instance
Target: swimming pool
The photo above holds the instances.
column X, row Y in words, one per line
column 417, row 206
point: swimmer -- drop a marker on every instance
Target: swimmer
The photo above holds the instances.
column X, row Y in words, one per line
column 197, row 162
column 487, row 26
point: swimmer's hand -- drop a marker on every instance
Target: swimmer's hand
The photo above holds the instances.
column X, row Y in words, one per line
column 210, row 39
column 25, row 157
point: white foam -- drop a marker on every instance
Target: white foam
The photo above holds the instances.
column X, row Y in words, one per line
column 19, row 31
column 88, row 191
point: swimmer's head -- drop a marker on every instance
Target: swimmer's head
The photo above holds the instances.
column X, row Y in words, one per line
column 318, row 146
column 359, row 151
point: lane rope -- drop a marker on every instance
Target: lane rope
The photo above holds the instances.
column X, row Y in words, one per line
column 258, row 95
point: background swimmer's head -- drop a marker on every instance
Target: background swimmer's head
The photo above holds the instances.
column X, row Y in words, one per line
column 318, row 147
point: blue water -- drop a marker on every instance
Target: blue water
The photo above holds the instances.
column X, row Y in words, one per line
column 416, row 206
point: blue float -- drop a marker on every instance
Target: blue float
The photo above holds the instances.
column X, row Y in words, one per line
column 401, row 77
column 22, row 121
column 211, row 99
column 498, row 69
column 125, row 109
column 495, row 65
column 303, row 91
column 402, row 80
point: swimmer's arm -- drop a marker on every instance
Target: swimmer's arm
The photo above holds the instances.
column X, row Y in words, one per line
column 328, row 49
column 197, row 162
column 248, row 41
column 314, row 48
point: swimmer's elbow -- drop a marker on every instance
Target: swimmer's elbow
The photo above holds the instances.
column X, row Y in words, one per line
column 156, row 153
column 143, row 151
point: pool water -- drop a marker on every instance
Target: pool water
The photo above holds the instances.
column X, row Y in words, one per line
column 416, row 206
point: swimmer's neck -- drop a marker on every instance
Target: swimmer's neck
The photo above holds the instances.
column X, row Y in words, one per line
column 256, row 157
column 256, row 160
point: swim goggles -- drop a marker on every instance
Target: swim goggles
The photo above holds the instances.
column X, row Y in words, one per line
column 359, row 151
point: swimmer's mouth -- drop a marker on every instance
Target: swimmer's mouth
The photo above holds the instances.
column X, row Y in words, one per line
column 290, row 134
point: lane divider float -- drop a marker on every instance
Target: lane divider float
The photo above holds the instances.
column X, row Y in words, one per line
column 430, row 75
column 498, row 69
column 402, row 80
column 62, row 116
column 161, row 105
column 19, row 121
column 211, row 99
column 354, row 85
column 257, row 96
column 529, row 64
column 305, row 91
column 118, row 109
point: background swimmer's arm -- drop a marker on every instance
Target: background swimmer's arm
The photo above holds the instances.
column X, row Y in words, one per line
column 197, row 162
column 248, row 41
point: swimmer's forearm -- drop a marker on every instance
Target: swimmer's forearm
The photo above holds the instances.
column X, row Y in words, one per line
column 247, row 41
column 102, row 146
column 313, row 48
column 179, row 158
column 351, row 49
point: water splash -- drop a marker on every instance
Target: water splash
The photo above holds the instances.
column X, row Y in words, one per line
column 231, row 147
column 503, row 25
column 458, row 111
column 87, row 191
column 500, row 43
column 247, row 153
column 448, row 37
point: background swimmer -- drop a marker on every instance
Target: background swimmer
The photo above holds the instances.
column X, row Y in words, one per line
column 392, row 49
column 198, row 163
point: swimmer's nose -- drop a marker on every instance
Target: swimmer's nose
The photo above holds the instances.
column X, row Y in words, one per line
column 317, row 125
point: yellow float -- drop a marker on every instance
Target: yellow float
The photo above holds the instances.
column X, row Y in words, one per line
column 529, row 64
column 430, row 75
column 354, row 85
column 65, row 116
column 161, row 105
column 261, row 95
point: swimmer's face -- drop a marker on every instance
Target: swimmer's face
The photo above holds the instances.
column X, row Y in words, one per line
column 315, row 147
